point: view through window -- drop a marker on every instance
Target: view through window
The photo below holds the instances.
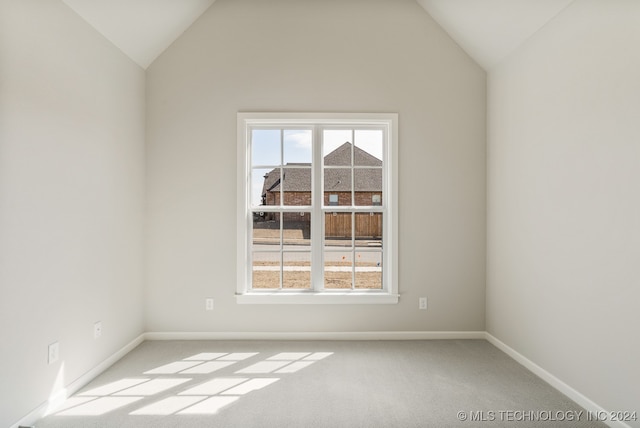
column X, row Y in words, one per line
column 318, row 201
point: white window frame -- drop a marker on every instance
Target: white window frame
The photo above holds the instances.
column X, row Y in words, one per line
column 389, row 293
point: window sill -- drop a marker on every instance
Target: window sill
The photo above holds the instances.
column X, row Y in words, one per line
column 310, row 298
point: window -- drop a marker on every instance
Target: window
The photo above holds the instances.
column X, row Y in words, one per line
column 317, row 208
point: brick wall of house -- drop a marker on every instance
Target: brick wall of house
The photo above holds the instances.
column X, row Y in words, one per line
column 304, row 198
column 361, row 198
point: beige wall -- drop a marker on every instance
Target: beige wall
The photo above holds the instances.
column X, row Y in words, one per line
column 292, row 55
column 564, row 200
column 71, row 200
column 563, row 232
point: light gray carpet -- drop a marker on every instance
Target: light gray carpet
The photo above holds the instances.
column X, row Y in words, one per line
column 299, row 384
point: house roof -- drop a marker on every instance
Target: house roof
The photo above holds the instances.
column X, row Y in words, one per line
column 297, row 177
column 342, row 157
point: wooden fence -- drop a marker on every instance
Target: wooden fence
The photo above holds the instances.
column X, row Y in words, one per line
column 367, row 225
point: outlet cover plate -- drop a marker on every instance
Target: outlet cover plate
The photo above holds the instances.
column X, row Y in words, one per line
column 54, row 353
column 97, row 330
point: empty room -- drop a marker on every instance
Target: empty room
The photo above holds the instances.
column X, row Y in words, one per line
column 319, row 213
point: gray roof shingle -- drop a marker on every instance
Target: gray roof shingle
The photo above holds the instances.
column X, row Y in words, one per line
column 297, row 177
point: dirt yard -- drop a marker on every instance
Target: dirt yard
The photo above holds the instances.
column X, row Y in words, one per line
column 302, row 279
column 268, row 233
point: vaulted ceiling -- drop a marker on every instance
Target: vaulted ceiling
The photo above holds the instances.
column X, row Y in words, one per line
column 142, row 29
column 488, row 30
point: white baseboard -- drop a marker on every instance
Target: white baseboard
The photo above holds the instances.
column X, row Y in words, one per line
column 567, row 390
column 50, row 405
column 362, row 335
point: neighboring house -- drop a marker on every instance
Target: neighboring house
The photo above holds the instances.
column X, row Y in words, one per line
column 295, row 185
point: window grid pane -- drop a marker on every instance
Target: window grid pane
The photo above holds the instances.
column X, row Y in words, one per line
column 338, row 269
column 368, row 229
column 368, row 147
column 338, row 181
column 296, row 231
column 266, row 270
column 338, row 230
column 368, row 270
column 296, row 185
column 337, row 147
column 367, row 182
column 266, row 231
column 262, row 179
column 266, row 147
column 297, row 146
column 296, row 270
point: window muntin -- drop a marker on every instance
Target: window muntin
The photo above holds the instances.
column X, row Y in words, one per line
column 317, row 217
column 297, row 146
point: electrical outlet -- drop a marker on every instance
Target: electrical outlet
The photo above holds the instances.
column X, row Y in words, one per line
column 208, row 304
column 97, row 330
column 422, row 303
column 54, row 353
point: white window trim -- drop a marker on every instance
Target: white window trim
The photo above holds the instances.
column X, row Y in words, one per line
column 390, row 233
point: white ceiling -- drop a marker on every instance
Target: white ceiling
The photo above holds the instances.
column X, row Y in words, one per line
column 488, row 30
column 142, row 29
